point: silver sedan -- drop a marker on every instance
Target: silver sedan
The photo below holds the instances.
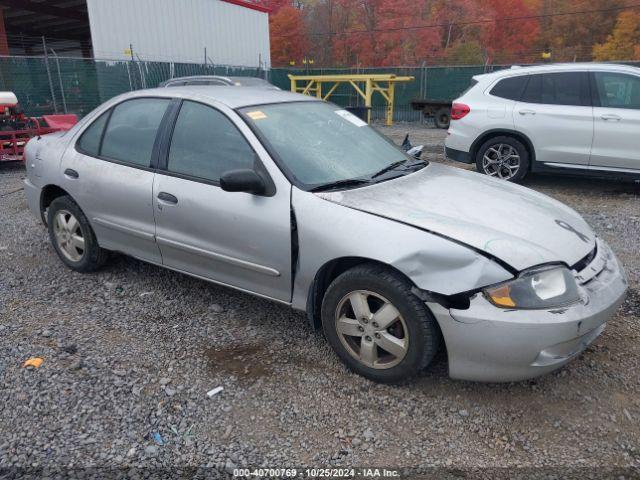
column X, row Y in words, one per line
column 298, row 201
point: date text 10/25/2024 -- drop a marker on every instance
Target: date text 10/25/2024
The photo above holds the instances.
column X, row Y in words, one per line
column 316, row 473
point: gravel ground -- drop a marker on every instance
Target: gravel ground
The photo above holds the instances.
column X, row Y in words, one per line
column 130, row 353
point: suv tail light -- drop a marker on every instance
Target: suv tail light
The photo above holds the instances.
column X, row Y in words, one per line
column 459, row 110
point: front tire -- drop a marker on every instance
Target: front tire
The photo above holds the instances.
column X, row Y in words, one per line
column 504, row 158
column 377, row 326
column 72, row 236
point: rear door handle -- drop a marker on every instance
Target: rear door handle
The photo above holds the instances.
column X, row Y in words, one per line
column 168, row 198
column 527, row 112
column 611, row 117
column 71, row 173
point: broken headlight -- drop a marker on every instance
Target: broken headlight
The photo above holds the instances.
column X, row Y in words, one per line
column 538, row 288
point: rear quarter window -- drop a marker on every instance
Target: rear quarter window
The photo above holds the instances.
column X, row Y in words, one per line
column 89, row 142
column 510, row 88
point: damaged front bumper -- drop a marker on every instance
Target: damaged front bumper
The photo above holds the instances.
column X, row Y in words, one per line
column 491, row 344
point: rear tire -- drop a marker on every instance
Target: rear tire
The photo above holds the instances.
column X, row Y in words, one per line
column 442, row 118
column 72, row 236
column 377, row 326
column 503, row 157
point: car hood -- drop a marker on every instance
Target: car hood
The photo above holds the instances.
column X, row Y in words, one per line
column 517, row 225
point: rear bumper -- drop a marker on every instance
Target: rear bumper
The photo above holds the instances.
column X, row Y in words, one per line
column 457, row 155
column 33, row 198
column 486, row 343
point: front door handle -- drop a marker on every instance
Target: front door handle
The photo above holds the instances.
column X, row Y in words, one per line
column 526, row 111
column 71, row 173
column 168, row 198
column 611, row 117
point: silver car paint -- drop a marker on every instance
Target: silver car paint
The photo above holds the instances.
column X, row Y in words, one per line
column 233, row 238
column 120, row 212
column 519, row 226
column 327, row 231
column 485, row 343
column 433, row 256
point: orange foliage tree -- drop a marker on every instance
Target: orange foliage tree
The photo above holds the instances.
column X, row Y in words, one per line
column 624, row 41
column 507, row 40
column 414, row 32
column 289, row 42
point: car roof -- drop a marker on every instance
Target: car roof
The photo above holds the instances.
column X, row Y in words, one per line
column 232, row 97
column 557, row 67
column 233, row 80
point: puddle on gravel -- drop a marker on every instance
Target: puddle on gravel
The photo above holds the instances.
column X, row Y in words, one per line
column 252, row 361
column 243, row 361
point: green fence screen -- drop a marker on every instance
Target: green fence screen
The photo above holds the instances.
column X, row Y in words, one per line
column 51, row 84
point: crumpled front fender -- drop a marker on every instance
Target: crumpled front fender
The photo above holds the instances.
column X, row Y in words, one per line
column 328, row 231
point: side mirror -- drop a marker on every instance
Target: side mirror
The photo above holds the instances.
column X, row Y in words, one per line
column 242, row 180
column 416, row 152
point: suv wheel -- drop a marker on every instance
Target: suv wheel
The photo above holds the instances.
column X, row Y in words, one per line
column 503, row 157
column 72, row 236
column 377, row 327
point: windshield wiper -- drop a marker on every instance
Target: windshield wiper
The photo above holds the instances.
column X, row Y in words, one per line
column 406, row 162
column 388, row 168
column 350, row 182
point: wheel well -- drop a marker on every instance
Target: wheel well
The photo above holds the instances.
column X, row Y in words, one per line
column 327, row 274
column 48, row 195
column 504, row 133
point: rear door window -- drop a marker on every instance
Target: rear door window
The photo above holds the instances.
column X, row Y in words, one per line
column 132, row 130
column 564, row 88
column 617, row 90
column 510, row 88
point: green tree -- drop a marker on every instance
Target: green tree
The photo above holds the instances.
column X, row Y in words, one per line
column 466, row 53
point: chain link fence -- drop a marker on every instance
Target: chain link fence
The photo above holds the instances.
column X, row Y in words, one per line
column 46, row 85
column 51, row 84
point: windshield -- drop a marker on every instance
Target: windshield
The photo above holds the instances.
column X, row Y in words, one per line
column 319, row 143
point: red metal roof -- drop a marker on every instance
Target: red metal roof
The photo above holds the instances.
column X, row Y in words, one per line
column 246, row 4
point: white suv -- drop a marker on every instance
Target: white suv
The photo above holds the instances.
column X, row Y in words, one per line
column 580, row 118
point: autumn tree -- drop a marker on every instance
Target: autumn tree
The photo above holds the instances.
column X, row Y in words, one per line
column 288, row 35
column 624, row 41
column 460, row 36
column 512, row 33
column 569, row 35
column 384, row 32
column 405, row 35
column 413, row 32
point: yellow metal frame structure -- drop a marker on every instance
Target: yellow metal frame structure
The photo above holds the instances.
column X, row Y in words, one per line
column 364, row 84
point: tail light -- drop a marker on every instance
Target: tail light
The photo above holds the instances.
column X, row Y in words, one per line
column 459, row 110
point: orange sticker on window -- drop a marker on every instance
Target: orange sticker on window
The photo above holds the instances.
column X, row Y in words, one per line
column 257, row 115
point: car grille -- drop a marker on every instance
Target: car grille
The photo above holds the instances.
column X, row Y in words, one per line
column 584, row 262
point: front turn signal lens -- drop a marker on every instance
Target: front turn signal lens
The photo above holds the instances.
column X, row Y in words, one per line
column 501, row 296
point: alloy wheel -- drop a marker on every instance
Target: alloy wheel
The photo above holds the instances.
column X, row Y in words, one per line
column 501, row 160
column 68, row 234
column 372, row 329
